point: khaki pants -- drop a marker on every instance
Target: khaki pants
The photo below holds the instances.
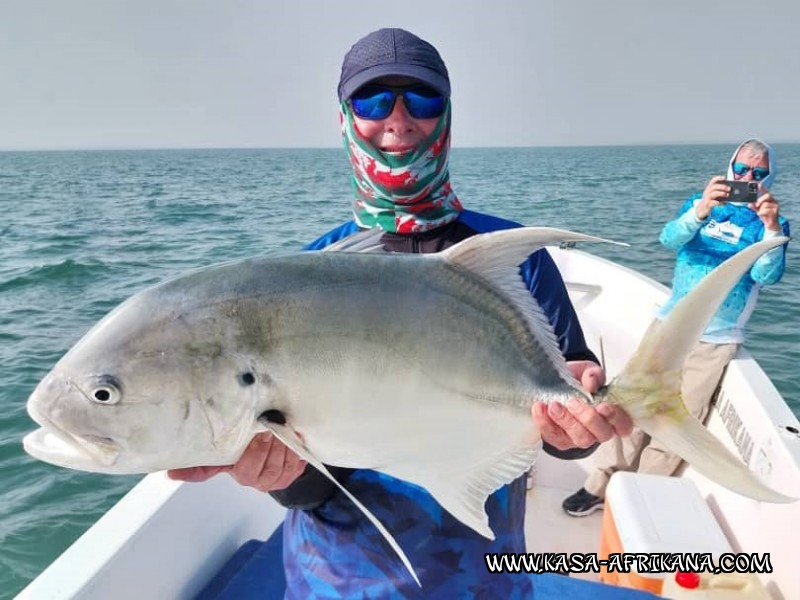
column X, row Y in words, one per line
column 702, row 373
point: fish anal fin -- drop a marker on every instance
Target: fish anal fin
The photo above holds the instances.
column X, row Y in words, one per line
column 287, row 435
column 464, row 494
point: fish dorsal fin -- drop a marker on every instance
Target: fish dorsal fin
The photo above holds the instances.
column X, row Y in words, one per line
column 496, row 257
column 668, row 348
column 366, row 240
column 286, row 435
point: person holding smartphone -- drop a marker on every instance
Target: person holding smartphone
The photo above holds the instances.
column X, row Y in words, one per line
column 710, row 228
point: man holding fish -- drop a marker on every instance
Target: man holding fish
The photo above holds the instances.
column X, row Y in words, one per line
column 406, row 393
column 395, row 113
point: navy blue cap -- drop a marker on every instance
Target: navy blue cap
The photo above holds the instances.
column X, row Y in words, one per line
column 388, row 52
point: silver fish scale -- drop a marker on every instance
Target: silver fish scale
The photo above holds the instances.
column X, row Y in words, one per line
column 448, row 323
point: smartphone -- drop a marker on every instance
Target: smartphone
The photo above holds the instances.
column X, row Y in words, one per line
column 742, row 191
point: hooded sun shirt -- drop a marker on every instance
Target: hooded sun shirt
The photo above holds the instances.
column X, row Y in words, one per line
column 773, row 166
column 702, row 245
column 406, row 193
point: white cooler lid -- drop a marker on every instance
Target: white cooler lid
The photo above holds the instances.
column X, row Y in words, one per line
column 655, row 513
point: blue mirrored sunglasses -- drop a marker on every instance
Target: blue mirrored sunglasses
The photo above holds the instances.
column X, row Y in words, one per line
column 376, row 102
column 741, row 169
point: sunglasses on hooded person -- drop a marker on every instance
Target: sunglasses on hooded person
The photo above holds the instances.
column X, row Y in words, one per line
column 741, row 169
column 376, row 102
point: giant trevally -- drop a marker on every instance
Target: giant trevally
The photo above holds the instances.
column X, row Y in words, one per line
column 423, row 367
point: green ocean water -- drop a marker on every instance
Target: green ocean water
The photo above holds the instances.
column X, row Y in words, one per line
column 81, row 231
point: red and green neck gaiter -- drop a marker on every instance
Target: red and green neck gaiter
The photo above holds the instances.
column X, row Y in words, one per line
column 410, row 193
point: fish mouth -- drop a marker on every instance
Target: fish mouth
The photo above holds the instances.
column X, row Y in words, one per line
column 87, row 452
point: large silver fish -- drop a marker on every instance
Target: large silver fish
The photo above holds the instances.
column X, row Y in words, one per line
column 423, row 367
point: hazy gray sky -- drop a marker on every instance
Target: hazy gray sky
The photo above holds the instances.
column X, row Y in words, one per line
column 263, row 73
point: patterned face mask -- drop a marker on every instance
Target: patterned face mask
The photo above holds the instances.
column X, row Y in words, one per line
column 401, row 194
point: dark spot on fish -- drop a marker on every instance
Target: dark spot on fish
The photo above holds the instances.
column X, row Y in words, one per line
column 247, row 378
column 274, row 416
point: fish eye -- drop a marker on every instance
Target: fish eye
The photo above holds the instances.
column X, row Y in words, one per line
column 107, row 391
column 247, row 378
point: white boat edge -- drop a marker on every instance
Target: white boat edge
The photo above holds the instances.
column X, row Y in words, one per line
column 168, row 539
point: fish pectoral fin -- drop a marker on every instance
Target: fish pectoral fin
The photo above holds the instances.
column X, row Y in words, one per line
column 287, row 435
column 463, row 493
column 688, row 438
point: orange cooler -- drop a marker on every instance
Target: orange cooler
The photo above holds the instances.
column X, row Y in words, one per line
column 655, row 514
